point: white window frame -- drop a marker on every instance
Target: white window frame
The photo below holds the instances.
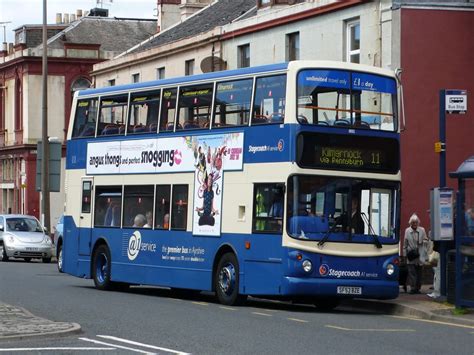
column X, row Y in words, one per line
column 349, row 51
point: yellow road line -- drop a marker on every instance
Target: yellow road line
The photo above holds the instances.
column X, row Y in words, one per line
column 262, row 314
column 227, row 308
column 436, row 322
column 369, row 330
column 298, row 320
column 201, row 303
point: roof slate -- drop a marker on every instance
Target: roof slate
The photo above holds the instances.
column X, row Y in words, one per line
column 113, row 34
column 217, row 14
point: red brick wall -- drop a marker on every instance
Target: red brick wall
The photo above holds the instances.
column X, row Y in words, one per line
column 437, row 52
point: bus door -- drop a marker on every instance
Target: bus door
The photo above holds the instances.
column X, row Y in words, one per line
column 85, row 217
column 380, row 211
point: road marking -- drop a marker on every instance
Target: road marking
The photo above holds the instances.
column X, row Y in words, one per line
column 227, row 308
column 56, row 349
column 114, row 345
column 298, row 320
column 131, row 342
column 435, row 322
column 262, row 314
column 369, row 330
column 201, row 303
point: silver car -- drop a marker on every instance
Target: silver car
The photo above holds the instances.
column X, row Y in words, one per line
column 24, row 237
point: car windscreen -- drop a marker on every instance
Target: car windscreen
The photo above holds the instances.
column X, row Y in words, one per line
column 21, row 224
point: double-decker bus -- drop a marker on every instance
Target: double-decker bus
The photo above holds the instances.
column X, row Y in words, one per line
column 278, row 181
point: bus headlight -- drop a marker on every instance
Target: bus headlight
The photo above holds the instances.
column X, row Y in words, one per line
column 390, row 269
column 307, row 266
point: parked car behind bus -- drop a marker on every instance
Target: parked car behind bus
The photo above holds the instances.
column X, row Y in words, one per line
column 24, row 237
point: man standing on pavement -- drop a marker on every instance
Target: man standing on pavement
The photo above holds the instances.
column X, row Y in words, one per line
column 415, row 248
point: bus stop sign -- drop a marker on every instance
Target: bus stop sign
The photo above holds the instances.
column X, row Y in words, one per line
column 456, row 101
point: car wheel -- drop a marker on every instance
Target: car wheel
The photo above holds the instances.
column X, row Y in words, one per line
column 27, row 260
column 4, row 254
column 226, row 281
column 101, row 268
column 60, row 258
column 46, row 260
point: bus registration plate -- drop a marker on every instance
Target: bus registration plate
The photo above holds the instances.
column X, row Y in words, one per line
column 349, row 290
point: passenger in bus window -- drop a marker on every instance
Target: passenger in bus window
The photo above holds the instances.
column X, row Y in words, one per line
column 166, row 221
column 139, row 221
column 276, row 210
column 112, row 215
column 149, row 219
column 357, row 223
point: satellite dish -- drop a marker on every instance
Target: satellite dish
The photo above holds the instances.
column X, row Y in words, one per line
column 212, row 63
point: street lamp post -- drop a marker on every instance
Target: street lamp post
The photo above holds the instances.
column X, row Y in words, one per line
column 44, row 137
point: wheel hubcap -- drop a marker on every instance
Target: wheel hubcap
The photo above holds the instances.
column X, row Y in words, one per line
column 101, row 268
column 227, row 279
column 60, row 259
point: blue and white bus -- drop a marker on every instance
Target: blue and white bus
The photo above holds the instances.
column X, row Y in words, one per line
column 277, row 181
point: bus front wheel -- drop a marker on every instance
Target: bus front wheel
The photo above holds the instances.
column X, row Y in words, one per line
column 101, row 268
column 227, row 281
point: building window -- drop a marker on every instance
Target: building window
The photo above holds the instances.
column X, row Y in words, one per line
column 353, row 41
column 112, row 82
column 136, row 78
column 244, row 56
column 292, row 46
column 160, row 73
column 189, row 67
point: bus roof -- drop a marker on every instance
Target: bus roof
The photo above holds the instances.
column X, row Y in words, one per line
column 185, row 79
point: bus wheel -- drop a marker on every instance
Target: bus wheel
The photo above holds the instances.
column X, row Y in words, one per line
column 27, row 259
column 101, row 268
column 227, row 281
column 326, row 304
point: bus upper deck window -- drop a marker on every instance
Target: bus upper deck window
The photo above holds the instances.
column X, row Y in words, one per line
column 85, row 118
column 269, row 103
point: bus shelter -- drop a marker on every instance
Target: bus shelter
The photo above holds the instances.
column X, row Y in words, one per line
column 465, row 234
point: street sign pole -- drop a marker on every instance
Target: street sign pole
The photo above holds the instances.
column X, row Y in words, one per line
column 442, row 180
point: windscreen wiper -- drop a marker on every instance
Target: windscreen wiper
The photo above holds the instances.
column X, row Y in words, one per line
column 325, row 238
column 371, row 231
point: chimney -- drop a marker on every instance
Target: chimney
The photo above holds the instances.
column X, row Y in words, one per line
column 4, row 46
column 66, row 18
column 59, row 18
column 78, row 13
column 72, row 17
column 10, row 48
column 168, row 13
column 189, row 7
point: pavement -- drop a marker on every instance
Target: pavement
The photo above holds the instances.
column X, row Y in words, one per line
column 17, row 323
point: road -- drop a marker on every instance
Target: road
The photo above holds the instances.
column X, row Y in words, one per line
column 156, row 320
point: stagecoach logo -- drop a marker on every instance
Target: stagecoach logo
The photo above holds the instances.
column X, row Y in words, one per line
column 323, row 270
column 134, row 244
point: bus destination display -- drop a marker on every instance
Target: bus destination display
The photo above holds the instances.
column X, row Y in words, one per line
column 354, row 153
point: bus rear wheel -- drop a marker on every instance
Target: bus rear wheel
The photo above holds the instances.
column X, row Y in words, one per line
column 101, row 268
column 226, row 281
